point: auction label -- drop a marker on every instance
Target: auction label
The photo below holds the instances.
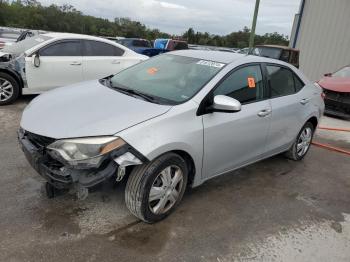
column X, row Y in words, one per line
column 210, row 63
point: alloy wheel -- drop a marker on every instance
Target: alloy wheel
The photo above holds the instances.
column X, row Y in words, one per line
column 304, row 141
column 165, row 190
column 6, row 90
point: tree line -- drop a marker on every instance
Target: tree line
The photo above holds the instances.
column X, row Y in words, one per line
column 65, row 18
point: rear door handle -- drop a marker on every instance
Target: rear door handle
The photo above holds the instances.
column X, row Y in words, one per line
column 304, row 101
column 75, row 63
column 117, row 62
column 264, row 112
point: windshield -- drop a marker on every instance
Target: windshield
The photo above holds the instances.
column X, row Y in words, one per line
column 168, row 77
column 344, row 72
column 269, row 52
column 24, row 45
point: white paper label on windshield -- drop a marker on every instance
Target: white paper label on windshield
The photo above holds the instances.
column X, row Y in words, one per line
column 210, row 63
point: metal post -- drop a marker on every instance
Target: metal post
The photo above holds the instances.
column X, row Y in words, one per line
column 252, row 32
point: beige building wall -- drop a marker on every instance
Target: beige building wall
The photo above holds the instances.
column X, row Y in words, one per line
column 324, row 37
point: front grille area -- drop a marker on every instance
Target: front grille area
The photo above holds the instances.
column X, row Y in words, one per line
column 39, row 141
column 337, row 101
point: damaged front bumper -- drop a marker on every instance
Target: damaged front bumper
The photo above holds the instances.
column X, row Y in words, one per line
column 62, row 176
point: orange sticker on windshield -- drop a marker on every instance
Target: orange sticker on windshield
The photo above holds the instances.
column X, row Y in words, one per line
column 152, row 70
column 251, row 82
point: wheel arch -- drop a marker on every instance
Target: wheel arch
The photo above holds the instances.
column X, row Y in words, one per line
column 190, row 164
column 314, row 121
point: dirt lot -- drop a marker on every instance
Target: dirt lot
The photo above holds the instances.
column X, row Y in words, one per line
column 276, row 210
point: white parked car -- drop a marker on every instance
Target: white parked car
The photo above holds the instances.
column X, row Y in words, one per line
column 51, row 60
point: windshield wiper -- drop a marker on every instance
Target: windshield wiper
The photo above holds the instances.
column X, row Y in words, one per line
column 146, row 97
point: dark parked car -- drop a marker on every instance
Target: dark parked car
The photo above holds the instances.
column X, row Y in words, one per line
column 141, row 46
column 336, row 87
column 170, row 44
column 284, row 53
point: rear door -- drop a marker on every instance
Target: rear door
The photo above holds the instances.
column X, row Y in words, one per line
column 234, row 139
column 288, row 107
column 101, row 59
column 60, row 65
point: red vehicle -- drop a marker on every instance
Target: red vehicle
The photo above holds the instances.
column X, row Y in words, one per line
column 336, row 87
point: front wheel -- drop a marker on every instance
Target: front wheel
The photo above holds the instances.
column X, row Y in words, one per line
column 302, row 143
column 9, row 89
column 155, row 189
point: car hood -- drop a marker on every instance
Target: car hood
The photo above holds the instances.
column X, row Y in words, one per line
column 86, row 109
column 338, row 84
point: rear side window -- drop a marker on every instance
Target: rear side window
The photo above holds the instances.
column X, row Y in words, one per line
column 66, row 48
column 281, row 81
column 245, row 85
column 298, row 83
column 95, row 48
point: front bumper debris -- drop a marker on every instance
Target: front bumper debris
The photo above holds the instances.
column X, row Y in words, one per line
column 61, row 176
column 337, row 103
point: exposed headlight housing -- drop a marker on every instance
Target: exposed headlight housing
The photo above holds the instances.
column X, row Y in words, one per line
column 86, row 152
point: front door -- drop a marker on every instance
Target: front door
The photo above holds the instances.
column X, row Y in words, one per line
column 234, row 139
column 60, row 65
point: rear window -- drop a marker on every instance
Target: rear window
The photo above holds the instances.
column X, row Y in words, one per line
column 270, row 52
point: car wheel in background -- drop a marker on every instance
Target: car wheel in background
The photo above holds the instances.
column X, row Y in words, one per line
column 155, row 189
column 302, row 144
column 9, row 89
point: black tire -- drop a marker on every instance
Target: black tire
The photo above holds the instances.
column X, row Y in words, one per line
column 15, row 87
column 141, row 181
column 292, row 153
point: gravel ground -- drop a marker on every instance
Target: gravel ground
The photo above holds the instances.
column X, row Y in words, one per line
column 275, row 210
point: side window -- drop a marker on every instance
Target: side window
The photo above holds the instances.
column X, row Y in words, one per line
column 298, row 83
column 95, row 48
column 66, row 48
column 281, row 81
column 245, row 85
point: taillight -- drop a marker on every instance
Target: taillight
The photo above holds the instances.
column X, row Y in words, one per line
column 2, row 44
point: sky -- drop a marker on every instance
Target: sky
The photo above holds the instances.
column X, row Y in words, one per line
column 176, row 16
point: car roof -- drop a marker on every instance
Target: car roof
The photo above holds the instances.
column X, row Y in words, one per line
column 227, row 57
column 217, row 56
column 71, row 35
column 279, row 47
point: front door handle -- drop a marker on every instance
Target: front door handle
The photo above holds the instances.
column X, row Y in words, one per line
column 264, row 112
column 75, row 63
column 304, row 101
column 116, row 62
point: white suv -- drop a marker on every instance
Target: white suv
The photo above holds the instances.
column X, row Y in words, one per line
column 47, row 61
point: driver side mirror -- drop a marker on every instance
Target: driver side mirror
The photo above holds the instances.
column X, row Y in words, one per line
column 225, row 104
column 36, row 60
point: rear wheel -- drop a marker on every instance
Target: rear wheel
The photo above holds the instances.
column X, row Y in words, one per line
column 155, row 189
column 9, row 89
column 302, row 143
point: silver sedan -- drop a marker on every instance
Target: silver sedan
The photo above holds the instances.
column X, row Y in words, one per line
column 175, row 120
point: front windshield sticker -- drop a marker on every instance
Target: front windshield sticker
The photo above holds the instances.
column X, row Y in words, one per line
column 152, row 70
column 251, row 82
column 210, row 63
